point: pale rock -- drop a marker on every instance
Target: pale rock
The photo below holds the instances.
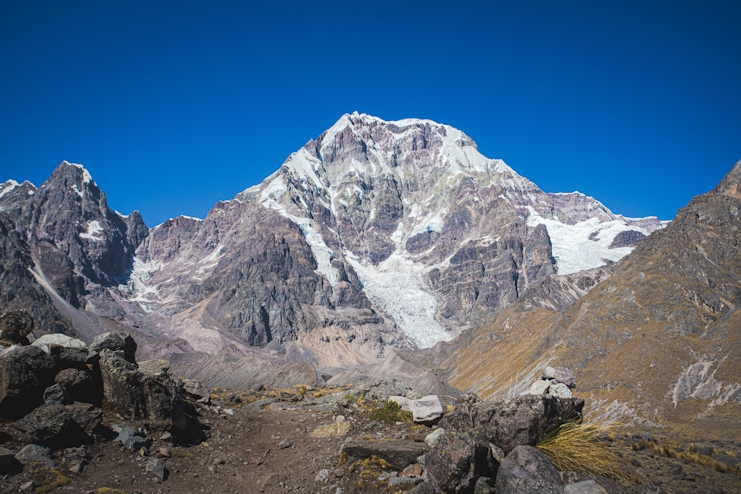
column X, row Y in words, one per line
column 564, row 375
column 47, row 341
column 549, row 373
column 404, row 403
column 433, row 437
column 560, row 390
column 427, row 409
column 585, row 487
column 539, row 387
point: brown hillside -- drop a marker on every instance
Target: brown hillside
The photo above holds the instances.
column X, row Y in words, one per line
column 657, row 343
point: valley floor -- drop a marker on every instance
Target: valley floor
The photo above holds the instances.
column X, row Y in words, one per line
column 246, row 453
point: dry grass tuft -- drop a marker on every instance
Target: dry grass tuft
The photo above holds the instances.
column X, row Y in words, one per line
column 580, row 447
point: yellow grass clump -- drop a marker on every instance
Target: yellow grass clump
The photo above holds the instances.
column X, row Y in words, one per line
column 579, row 447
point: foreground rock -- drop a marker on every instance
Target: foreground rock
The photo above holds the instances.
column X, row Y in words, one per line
column 458, row 460
column 524, row 420
column 155, row 397
column 527, row 471
column 426, row 410
column 116, row 341
column 46, row 423
column 25, row 373
column 15, row 326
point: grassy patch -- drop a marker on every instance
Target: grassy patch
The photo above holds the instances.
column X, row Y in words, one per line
column 391, row 413
column 48, row 480
column 577, row 447
column 692, row 457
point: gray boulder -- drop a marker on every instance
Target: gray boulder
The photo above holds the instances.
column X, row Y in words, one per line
column 383, row 389
column 56, row 394
column 15, row 326
column 130, row 438
column 527, row 471
column 564, row 375
column 154, row 397
column 464, row 410
column 458, row 460
column 524, row 420
column 116, row 341
column 24, row 375
column 196, row 390
column 539, row 387
column 44, row 424
column 560, row 390
column 156, row 468
column 80, row 385
column 427, row 410
column 33, row 453
column 85, row 415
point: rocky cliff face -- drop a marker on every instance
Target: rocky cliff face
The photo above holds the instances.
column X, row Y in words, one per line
column 656, row 342
column 377, row 235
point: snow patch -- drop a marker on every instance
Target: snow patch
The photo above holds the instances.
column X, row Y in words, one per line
column 86, row 178
column 135, row 284
column 7, row 187
column 397, row 286
column 78, row 191
column 574, row 250
column 93, row 229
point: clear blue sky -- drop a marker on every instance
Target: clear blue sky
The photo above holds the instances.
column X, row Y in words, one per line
column 173, row 105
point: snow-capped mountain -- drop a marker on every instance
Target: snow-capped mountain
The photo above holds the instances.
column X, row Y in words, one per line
column 377, row 234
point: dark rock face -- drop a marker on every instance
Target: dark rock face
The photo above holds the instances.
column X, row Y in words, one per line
column 56, row 395
column 527, row 471
column 524, row 420
column 24, row 374
column 458, row 460
column 46, row 423
column 85, row 415
column 628, row 238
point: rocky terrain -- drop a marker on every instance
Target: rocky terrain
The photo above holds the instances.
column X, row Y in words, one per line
column 112, row 424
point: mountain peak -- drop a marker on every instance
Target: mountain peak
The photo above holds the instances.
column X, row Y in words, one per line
column 84, row 174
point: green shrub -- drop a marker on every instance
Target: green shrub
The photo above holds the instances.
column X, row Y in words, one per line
column 391, row 413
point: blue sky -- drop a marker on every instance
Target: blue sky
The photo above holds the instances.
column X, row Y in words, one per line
column 173, row 105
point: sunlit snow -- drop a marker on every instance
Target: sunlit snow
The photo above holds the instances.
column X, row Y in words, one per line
column 93, row 228
column 572, row 247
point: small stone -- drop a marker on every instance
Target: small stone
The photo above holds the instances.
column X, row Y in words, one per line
column 131, row 439
column 33, row 453
column 76, row 468
column 218, row 461
column 415, row 470
column 156, row 468
column 387, row 475
column 549, row 373
column 564, row 375
column 323, row 475
column 164, row 453
column 689, row 478
column 229, row 412
column 635, row 462
column 166, row 436
column 433, row 437
column 28, row 486
column 560, row 390
column 285, row 443
column 338, row 472
column 539, row 387
column 677, row 470
column 421, row 460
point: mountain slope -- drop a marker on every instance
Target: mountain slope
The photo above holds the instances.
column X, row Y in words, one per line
column 658, row 342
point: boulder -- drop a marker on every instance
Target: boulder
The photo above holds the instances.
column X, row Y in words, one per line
column 56, row 394
column 44, row 424
column 116, row 341
column 85, row 415
column 24, row 375
column 158, row 398
column 485, row 485
column 154, row 367
column 427, row 410
column 564, row 375
column 539, row 387
column 560, row 390
column 398, row 453
column 527, row 471
column 130, row 438
column 63, row 347
column 15, row 326
column 80, row 385
column 196, row 390
column 549, row 373
column 461, row 418
column 33, row 453
column 524, row 420
column 458, row 460
column 433, row 437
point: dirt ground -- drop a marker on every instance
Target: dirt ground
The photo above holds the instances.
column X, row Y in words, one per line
column 247, row 453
